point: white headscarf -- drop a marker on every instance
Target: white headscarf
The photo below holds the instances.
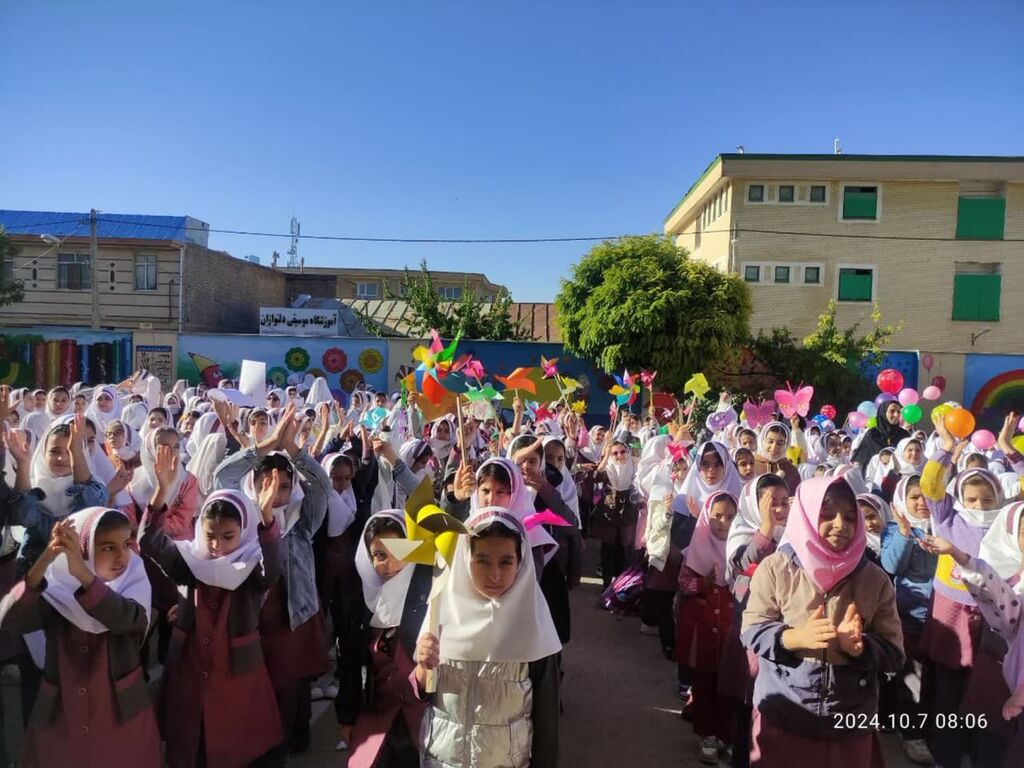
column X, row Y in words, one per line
column 567, row 488
column 899, row 506
column 58, row 501
column 762, row 440
column 593, row 448
column 144, row 480
column 698, row 490
column 1000, row 546
column 876, row 502
column 520, row 504
column 442, row 448
column 227, row 572
column 747, row 522
column 876, row 470
column 386, row 599
column 516, row 627
column 134, row 415
column 61, row 586
column 341, row 507
column 98, row 417
column 979, row 518
column 621, row 474
column 204, row 426
column 288, row 514
column 905, row 467
column 655, row 464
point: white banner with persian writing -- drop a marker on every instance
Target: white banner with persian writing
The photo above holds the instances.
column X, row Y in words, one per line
column 284, row 321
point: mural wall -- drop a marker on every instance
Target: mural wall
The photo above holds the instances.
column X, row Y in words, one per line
column 346, row 363
column 49, row 357
column 993, row 385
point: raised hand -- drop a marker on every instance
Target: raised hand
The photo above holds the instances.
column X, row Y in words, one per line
column 72, row 547
column 948, row 441
column 268, row 491
column 850, row 632
column 1005, row 440
column 17, row 444
column 465, row 481
column 814, row 635
column 902, row 522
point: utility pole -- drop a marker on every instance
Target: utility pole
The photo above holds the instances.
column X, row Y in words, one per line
column 93, row 258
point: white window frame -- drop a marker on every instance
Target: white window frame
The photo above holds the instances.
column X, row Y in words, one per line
column 450, row 292
column 362, row 291
column 89, row 272
column 766, row 273
column 156, row 272
column 874, row 278
column 842, row 197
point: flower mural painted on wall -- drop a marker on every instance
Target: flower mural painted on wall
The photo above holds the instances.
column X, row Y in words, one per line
column 371, row 360
column 335, row 360
column 350, row 379
column 297, row 359
column 278, row 376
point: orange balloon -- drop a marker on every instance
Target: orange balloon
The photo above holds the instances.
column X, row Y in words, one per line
column 960, row 422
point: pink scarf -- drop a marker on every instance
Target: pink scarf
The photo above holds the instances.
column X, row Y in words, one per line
column 706, row 553
column 823, row 566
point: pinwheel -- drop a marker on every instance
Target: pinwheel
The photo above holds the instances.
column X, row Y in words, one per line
column 698, row 385
column 547, row 517
column 625, row 390
column 484, row 392
column 550, row 367
column 579, row 407
column 519, row 379
column 647, row 378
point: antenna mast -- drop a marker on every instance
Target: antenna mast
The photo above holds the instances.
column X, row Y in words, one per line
column 293, row 252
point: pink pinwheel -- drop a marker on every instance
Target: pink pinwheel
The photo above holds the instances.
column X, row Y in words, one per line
column 550, row 367
column 547, row 517
column 647, row 377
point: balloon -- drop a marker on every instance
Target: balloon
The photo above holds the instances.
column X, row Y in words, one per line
column 1018, row 443
column 857, row 419
column 940, row 382
column 927, row 361
column 868, row 408
column 828, row 411
column 959, row 422
column 829, row 425
column 931, row 392
column 908, row 397
column 983, row 439
column 911, row 413
column 1020, row 424
column 872, row 422
column 884, row 398
column 819, row 418
column 939, row 412
column 890, row 380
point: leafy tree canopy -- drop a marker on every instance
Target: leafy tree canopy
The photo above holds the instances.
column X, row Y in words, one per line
column 11, row 290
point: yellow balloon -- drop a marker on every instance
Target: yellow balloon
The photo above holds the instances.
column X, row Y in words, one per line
column 939, row 412
column 1018, row 443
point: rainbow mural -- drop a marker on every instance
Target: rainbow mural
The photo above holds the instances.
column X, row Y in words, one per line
column 993, row 385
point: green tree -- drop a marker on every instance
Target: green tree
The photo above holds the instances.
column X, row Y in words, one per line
column 829, row 359
column 11, row 289
column 640, row 302
column 469, row 316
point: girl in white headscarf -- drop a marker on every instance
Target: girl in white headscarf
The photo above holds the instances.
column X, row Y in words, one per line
column 491, row 595
column 95, row 598
column 58, row 403
column 712, row 470
column 105, row 406
column 876, row 516
column 614, row 518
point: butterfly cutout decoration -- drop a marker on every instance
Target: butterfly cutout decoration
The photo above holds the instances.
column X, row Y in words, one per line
column 791, row 403
column 719, row 420
column 759, row 415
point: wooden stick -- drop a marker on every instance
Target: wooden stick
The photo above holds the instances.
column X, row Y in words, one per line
column 458, row 438
column 434, row 627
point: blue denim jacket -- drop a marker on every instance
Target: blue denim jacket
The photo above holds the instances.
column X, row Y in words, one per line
column 913, row 569
column 300, row 575
column 27, row 510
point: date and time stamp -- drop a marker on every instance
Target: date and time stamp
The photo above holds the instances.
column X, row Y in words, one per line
column 849, row 721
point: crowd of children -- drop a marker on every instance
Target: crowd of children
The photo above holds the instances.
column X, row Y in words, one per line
column 181, row 576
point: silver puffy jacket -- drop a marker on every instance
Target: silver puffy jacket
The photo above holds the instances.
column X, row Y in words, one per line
column 480, row 717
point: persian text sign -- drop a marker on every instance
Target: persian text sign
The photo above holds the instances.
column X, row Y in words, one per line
column 284, row 321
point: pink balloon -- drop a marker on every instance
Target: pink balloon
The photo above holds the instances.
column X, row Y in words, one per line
column 908, row 396
column 983, row 439
column 927, row 361
column 857, row 419
column 931, row 392
column 1020, row 424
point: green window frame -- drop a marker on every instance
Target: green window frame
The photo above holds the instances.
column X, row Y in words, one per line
column 856, row 284
column 981, row 218
column 860, row 203
column 976, row 296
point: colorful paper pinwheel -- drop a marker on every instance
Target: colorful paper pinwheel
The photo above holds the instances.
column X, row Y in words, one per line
column 579, row 407
column 625, row 390
column 485, row 392
column 647, row 378
column 697, row 385
column 519, row 379
column 550, row 367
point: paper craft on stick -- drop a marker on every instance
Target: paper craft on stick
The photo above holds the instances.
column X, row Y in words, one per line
column 550, row 367
column 697, row 385
column 791, row 402
column 519, row 379
column 547, row 517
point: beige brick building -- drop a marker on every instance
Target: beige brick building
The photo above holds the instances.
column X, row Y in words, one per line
column 936, row 241
column 375, row 284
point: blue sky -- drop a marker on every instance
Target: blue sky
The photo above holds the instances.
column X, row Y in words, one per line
column 478, row 119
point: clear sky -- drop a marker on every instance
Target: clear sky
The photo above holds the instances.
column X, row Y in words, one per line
column 476, row 119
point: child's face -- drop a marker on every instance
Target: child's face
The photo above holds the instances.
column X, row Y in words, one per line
column 171, row 441
column 156, row 420
column 284, row 488
column 80, row 404
column 554, row 454
column 421, row 463
column 711, row 468
column 912, row 453
column 837, row 521
column 774, row 444
column 58, row 457
column 443, row 431
column 748, row 441
column 223, row 536
column 115, row 436
column 493, row 493
column 745, row 466
column 60, row 403
column 619, row 454
column 40, row 398
column 13, row 418
column 779, row 504
column 679, row 470
column 720, row 517
column 188, row 424
column 916, row 503
column 872, row 521
column 258, row 426
column 341, row 475
column 380, row 400
column 979, row 495
column 113, row 551
column 385, row 565
column 531, row 464
column 494, row 565
column 273, row 401
column 105, row 403
column 835, row 446
column 599, row 434
column 884, row 458
column 90, row 437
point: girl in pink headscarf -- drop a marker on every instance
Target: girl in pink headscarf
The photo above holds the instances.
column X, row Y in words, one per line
column 822, row 620
column 704, row 619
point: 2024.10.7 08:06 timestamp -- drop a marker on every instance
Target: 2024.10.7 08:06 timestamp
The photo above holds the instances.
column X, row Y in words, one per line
column 850, row 721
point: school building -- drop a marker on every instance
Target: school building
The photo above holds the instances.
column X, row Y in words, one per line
column 937, row 242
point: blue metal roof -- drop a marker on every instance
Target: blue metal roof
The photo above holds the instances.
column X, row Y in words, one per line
column 181, row 229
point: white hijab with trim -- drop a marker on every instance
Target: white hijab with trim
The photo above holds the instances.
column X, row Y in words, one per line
column 231, row 570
